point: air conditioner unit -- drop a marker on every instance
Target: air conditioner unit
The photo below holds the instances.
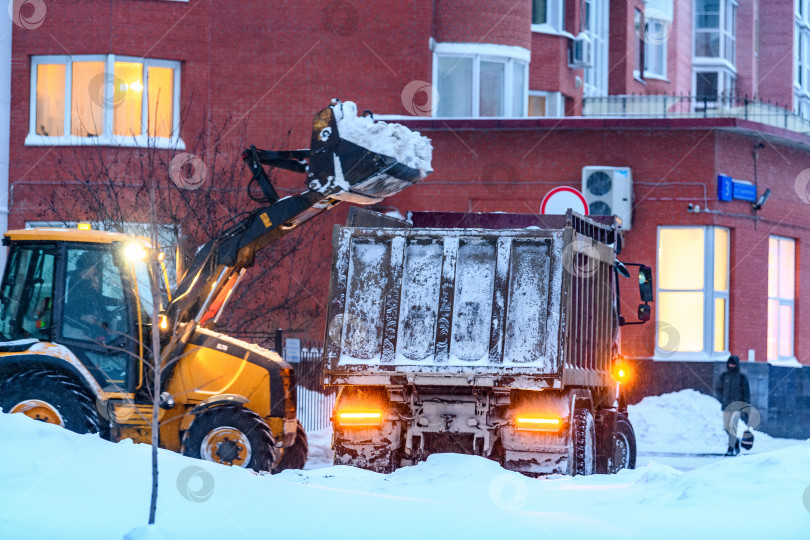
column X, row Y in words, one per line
column 582, row 51
column 609, row 191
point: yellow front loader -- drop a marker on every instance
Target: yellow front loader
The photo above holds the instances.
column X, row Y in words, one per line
column 75, row 320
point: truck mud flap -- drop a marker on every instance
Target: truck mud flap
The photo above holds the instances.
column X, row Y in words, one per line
column 374, row 449
column 535, row 453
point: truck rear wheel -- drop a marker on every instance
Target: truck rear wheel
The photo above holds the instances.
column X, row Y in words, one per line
column 294, row 457
column 624, row 445
column 584, row 435
column 231, row 436
column 49, row 397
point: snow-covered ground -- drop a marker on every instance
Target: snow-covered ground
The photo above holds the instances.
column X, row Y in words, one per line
column 56, row 484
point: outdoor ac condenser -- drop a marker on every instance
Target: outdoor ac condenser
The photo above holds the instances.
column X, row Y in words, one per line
column 609, row 191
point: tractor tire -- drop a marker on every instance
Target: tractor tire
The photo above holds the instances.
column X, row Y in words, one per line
column 584, row 435
column 233, row 436
column 624, row 445
column 50, row 397
column 294, row 457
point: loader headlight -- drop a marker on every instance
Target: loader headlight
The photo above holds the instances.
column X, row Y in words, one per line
column 359, row 418
column 135, row 252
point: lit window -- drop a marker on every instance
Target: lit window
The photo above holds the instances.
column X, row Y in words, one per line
column 480, row 80
column 109, row 99
column 548, row 15
column 781, row 297
column 693, row 291
column 50, row 100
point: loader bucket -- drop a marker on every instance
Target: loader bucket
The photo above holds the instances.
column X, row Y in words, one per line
column 350, row 171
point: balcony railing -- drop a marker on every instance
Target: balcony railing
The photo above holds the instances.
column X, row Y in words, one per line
column 669, row 106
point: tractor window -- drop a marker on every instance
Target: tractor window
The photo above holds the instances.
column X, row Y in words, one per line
column 27, row 295
column 95, row 305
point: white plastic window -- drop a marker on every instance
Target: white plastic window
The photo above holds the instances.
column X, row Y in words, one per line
column 480, row 80
column 781, row 297
column 693, row 292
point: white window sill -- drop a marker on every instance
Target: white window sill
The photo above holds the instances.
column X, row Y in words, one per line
column 716, row 63
column 549, row 29
column 655, row 76
column 128, row 142
column 665, row 356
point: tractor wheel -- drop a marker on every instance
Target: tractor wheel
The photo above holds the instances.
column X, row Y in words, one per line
column 50, row 397
column 624, row 445
column 294, row 457
column 231, row 436
column 584, row 435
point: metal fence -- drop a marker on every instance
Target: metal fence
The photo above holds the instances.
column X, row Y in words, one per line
column 681, row 106
column 315, row 401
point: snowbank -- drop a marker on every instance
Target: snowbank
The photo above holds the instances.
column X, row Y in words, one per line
column 686, row 422
column 408, row 147
column 56, row 484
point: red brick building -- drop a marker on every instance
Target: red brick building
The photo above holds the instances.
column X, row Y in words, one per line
column 518, row 97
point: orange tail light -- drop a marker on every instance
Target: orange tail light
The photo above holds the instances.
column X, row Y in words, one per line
column 538, row 423
column 360, row 418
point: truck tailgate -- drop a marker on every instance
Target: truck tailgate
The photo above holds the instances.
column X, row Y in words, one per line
column 481, row 302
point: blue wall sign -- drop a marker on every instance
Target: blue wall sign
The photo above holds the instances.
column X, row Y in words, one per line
column 728, row 189
column 743, row 191
column 723, row 187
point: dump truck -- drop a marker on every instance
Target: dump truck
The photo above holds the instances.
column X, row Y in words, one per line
column 76, row 308
column 487, row 334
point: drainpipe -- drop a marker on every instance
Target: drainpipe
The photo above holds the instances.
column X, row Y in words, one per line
column 5, row 123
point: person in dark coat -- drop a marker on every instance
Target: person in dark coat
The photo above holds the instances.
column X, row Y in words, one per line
column 734, row 396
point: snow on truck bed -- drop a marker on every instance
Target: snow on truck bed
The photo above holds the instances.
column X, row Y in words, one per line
column 56, row 484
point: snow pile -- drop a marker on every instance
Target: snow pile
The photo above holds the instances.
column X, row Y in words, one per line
column 684, row 422
column 320, row 449
column 395, row 140
column 56, row 484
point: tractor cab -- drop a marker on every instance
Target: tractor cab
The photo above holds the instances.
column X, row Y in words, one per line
column 89, row 291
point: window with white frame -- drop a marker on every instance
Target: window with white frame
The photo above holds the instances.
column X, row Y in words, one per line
column 104, row 99
column 693, row 292
column 781, row 297
column 715, row 51
column 711, row 86
column 596, row 28
column 655, row 45
column 551, row 104
column 801, row 59
column 548, row 16
column 716, row 29
column 475, row 80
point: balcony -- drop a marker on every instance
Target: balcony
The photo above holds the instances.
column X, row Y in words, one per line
column 668, row 106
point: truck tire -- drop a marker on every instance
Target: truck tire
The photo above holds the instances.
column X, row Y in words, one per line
column 584, row 435
column 50, row 397
column 294, row 457
column 624, row 445
column 233, row 436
